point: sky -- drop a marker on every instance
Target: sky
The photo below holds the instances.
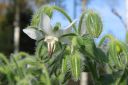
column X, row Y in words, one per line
column 111, row 23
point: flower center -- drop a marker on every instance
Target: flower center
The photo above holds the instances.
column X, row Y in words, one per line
column 51, row 40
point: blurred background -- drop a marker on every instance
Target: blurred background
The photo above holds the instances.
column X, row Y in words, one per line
column 15, row 15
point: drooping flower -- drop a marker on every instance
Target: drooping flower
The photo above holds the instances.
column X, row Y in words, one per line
column 45, row 31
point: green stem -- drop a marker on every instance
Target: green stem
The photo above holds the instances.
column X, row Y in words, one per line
column 80, row 22
column 65, row 14
column 108, row 36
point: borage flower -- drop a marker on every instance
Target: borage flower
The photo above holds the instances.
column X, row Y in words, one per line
column 46, row 32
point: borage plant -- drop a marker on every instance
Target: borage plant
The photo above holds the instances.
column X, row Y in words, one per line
column 41, row 30
column 63, row 54
column 45, row 31
column 68, row 59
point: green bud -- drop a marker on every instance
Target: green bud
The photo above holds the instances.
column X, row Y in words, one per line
column 57, row 27
column 93, row 24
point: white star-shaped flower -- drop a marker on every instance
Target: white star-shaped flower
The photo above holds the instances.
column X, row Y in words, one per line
column 44, row 30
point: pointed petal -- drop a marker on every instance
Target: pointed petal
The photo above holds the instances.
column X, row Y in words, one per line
column 68, row 29
column 45, row 23
column 58, row 33
column 33, row 33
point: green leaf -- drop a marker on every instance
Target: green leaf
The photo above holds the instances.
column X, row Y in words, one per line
column 101, row 56
column 107, row 79
column 56, row 63
column 88, row 47
column 91, row 65
column 123, row 79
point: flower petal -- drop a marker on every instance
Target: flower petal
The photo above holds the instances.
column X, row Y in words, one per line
column 68, row 29
column 33, row 33
column 45, row 23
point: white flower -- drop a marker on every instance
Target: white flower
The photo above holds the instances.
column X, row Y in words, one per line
column 45, row 31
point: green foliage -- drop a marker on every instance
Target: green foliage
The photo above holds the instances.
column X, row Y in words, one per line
column 107, row 63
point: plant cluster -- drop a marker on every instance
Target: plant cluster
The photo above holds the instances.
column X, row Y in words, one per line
column 62, row 54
